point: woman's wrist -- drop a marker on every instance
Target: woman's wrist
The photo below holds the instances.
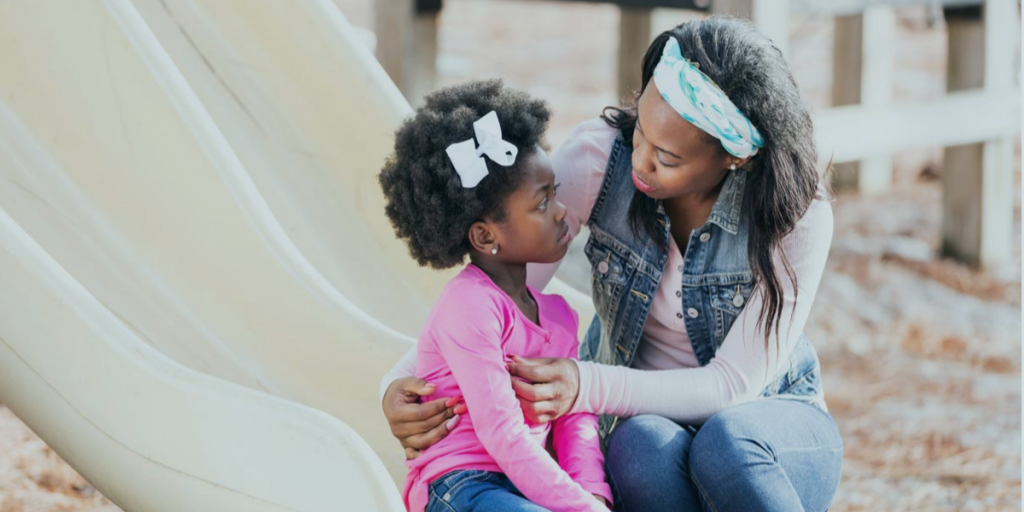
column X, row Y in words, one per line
column 582, row 368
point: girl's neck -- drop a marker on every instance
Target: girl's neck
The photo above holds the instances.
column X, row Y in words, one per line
column 511, row 278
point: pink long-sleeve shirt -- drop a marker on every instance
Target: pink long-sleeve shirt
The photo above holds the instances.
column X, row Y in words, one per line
column 469, row 337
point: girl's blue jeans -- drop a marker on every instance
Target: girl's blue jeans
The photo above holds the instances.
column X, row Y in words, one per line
column 472, row 490
column 764, row 455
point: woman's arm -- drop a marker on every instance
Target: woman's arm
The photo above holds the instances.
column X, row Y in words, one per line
column 741, row 369
column 417, row 426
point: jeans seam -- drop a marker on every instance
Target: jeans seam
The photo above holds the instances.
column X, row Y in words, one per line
column 441, row 501
column 707, row 499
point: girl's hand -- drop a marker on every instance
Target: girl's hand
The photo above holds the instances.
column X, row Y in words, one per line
column 603, row 501
column 551, row 391
column 418, row 426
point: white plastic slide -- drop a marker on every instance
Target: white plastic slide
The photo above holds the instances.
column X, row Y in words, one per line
column 188, row 194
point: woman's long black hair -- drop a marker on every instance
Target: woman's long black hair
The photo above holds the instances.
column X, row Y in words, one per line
column 782, row 178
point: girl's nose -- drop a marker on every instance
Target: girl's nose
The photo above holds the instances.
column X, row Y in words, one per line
column 560, row 211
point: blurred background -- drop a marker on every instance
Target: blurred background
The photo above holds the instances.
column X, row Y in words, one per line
column 918, row 319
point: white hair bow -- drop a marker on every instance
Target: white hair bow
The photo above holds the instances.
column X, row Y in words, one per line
column 468, row 158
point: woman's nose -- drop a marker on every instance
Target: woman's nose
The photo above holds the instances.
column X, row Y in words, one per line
column 641, row 160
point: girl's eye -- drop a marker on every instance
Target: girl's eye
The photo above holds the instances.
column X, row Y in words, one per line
column 556, row 188
column 544, row 204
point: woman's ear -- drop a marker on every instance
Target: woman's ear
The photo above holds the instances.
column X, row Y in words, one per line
column 736, row 163
column 482, row 237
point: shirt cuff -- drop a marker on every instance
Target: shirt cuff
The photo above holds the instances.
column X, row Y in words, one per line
column 601, row 489
column 584, row 368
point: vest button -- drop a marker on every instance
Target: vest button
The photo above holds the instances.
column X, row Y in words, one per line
column 692, row 312
column 704, row 237
column 602, row 267
column 737, row 300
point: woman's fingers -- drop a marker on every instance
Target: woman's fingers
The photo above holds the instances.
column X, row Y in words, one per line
column 410, row 388
column 422, row 418
column 534, row 369
column 428, row 439
column 533, row 392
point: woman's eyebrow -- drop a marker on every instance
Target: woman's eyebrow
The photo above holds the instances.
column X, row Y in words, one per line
column 663, row 150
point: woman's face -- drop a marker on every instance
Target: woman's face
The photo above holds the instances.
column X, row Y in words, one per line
column 671, row 157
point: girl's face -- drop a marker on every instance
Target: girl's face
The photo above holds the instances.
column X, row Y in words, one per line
column 534, row 229
column 671, row 157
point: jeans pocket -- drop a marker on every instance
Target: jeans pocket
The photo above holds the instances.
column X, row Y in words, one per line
column 446, row 487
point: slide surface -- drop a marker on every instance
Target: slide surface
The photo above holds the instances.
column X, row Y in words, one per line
column 199, row 291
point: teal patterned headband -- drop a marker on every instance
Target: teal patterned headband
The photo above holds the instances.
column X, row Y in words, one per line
column 701, row 102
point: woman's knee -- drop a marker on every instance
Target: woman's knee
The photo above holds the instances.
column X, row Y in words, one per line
column 649, row 446
column 727, row 440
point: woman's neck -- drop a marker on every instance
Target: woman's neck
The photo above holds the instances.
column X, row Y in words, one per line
column 692, row 210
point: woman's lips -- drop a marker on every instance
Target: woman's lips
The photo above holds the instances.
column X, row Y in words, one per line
column 641, row 185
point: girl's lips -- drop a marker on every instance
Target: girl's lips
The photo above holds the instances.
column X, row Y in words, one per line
column 566, row 236
column 640, row 185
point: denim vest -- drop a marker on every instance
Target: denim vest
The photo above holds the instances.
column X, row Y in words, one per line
column 717, row 281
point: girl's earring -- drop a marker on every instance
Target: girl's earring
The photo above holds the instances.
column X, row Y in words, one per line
column 732, row 167
column 494, row 250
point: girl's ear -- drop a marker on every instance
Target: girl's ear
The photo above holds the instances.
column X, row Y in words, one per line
column 482, row 237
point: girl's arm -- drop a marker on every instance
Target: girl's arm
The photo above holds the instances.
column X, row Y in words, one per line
column 578, row 448
column 742, row 367
column 469, row 335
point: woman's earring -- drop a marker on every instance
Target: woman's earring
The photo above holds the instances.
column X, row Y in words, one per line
column 494, row 250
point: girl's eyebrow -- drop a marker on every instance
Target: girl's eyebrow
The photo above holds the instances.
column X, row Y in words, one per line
column 656, row 147
column 543, row 188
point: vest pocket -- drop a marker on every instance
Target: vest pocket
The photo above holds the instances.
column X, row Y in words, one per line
column 610, row 274
column 727, row 301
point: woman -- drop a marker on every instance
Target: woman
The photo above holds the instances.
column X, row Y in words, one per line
column 709, row 235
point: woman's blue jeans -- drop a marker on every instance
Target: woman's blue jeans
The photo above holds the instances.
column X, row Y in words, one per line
column 768, row 454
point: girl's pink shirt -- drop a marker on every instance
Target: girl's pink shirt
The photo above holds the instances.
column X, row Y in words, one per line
column 469, row 337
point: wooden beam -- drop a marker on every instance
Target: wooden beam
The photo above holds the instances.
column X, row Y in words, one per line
column 977, row 179
column 771, row 17
column 824, row 8
column 855, row 132
column 862, row 72
column 634, row 38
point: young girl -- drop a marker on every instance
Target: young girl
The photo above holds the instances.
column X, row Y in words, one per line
column 469, row 177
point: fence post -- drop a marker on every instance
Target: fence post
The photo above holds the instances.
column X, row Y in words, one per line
column 634, row 38
column 862, row 73
column 407, row 44
column 771, row 17
column 977, row 179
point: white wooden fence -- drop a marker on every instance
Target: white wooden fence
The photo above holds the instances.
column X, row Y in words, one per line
column 977, row 121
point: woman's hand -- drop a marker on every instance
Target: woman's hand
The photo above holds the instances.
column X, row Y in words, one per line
column 418, row 426
column 551, row 390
